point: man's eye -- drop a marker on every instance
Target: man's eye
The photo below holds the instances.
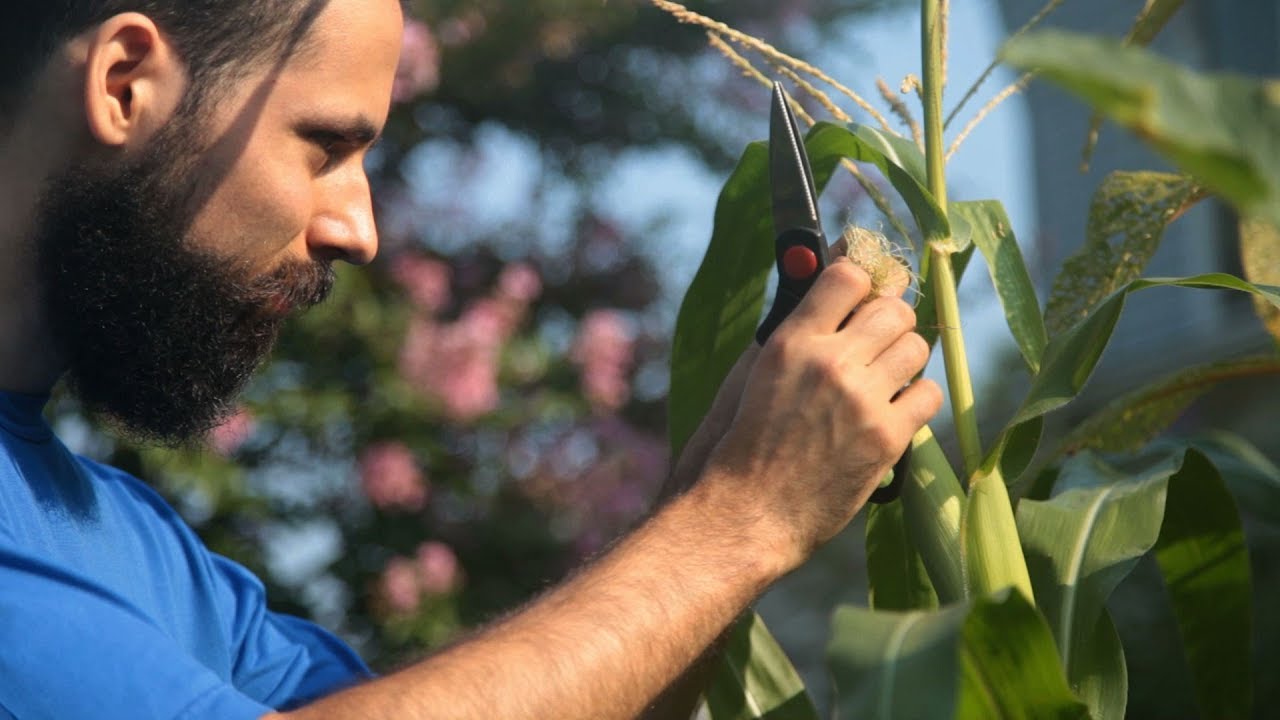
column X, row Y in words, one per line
column 332, row 145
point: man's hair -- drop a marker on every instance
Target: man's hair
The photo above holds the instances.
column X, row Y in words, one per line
column 216, row 39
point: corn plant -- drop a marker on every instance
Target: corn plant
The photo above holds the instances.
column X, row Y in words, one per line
column 989, row 579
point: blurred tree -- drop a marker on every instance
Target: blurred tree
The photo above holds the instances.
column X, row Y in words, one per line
column 466, row 420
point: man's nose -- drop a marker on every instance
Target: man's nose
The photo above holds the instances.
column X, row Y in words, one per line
column 343, row 227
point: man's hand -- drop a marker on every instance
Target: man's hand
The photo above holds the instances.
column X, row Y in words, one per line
column 811, row 435
column 818, row 425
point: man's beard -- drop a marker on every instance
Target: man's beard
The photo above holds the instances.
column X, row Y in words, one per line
column 156, row 334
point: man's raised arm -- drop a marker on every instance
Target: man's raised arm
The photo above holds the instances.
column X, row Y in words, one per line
column 816, row 428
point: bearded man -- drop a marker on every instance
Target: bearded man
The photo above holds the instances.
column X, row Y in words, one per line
column 177, row 177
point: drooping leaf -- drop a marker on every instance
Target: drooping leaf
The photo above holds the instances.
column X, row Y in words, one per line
column 1081, row 543
column 1100, row 676
column 1132, row 420
column 1010, row 664
column 754, row 679
column 991, row 657
column 895, row 571
column 992, row 233
column 1222, row 129
column 1253, row 479
column 1087, row 537
column 856, row 143
column 1202, row 555
column 1260, row 255
column 1127, row 219
column 1070, row 357
column 1154, row 16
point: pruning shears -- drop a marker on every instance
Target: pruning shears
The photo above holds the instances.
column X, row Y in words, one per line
column 799, row 244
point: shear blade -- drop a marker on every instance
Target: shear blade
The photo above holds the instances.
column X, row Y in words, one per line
column 795, row 201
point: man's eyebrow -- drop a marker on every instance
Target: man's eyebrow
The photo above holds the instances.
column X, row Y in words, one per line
column 357, row 131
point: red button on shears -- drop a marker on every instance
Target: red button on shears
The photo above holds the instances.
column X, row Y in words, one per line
column 799, row 262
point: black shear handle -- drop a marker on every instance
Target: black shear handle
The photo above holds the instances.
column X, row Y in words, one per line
column 801, row 257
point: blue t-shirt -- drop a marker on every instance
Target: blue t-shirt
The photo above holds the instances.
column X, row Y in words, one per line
column 111, row 607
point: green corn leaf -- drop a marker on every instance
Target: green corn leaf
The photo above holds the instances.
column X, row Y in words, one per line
column 1100, row 676
column 992, row 657
column 895, row 570
column 933, row 504
column 990, row 230
column 897, row 150
column 827, row 140
column 1154, row 16
column 1260, row 255
column 754, row 679
column 1253, row 479
column 1222, row 129
column 1205, row 563
column 1132, row 420
column 1071, row 356
column 1127, row 219
column 722, row 307
column 1081, row 543
column 1085, row 539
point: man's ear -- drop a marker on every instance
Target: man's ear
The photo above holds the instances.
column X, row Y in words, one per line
column 134, row 80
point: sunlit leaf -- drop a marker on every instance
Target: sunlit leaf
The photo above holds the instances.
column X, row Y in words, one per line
column 1130, row 421
column 991, row 657
column 990, row 230
column 1205, row 563
column 1260, row 255
column 895, row 571
column 1081, row 543
column 1127, row 220
column 827, row 140
column 1087, row 537
column 1222, row 129
column 1153, row 18
column 1100, row 676
column 755, row 680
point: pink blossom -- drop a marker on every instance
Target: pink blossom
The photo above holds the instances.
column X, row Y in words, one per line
column 605, row 350
column 426, row 280
column 398, row 585
column 228, row 437
column 520, row 282
column 463, row 29
column 457, row 363
column 437, row 568
column 419, row 69
column 391, row 478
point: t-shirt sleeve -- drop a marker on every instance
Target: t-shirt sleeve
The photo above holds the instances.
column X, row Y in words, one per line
column 76, row 650
column 281, row 660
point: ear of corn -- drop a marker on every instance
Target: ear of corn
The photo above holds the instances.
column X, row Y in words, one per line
column 993, row 558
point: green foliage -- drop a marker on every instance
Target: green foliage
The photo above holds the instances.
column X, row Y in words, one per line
column 1133, row 208
column 755, row 681
column 1132, row 420
column 1087, row 537
column 990, row 230
column 1221, row 129
column 1202, row 556
column 987, row 658
column 895, row 568
column 1260, row 256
